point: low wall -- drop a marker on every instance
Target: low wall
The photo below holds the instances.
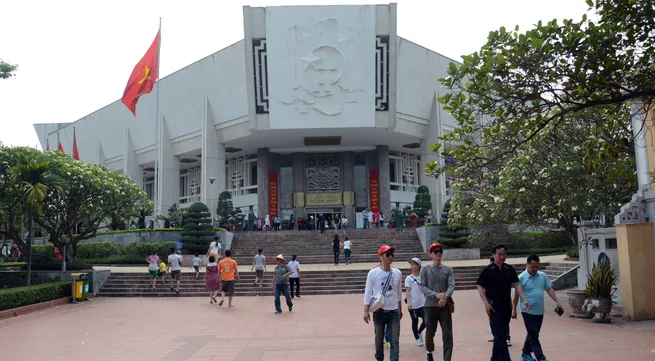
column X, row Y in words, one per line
column 567, row 280
column 427, row 235
column 96, row 278
column 225, row 237
column 454, row 254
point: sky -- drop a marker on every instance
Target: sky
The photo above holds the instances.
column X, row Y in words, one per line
column 75, row 56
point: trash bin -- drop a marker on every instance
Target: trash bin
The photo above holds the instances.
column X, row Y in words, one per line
column 85, row 284
column 78, row 286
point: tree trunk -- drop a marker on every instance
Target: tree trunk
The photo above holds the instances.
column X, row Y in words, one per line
column 29, row 249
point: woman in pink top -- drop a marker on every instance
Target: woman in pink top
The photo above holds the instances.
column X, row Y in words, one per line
column 211, row 279
column 153, row 266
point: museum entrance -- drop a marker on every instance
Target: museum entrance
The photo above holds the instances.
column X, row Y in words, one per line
column 332, row 217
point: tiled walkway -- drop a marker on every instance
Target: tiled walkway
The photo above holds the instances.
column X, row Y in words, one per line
column 399, row 263
column 319, row 328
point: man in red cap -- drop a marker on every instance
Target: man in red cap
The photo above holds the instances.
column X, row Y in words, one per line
column 438, row 284
column 382, row 296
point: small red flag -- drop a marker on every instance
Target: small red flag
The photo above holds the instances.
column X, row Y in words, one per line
column 76, row 154
column 60, row 148
column 143, row 76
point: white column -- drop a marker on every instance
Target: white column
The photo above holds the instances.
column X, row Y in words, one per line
column 101, row 155
column 169, row 171
column 130, row 167
column 641, row 153
column 212, row 161
column 437, row 186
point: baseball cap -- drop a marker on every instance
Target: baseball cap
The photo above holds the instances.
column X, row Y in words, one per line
column 385, row 249
column 416, row 260
column 434, row 246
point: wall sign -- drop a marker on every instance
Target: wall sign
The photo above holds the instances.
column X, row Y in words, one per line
column 374, row 189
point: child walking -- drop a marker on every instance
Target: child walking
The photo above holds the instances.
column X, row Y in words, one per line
column 196, row 264
column 162, row 271
column 211, row 279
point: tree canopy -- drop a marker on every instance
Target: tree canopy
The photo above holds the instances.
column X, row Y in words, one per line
column 7, row 70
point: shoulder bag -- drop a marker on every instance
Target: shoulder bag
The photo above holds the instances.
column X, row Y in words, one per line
column 378, row 299
column 449, row 300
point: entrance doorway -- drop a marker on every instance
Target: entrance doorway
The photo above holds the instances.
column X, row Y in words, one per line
column 332, row 217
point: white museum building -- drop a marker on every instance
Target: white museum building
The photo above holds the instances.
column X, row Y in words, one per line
column 319, row 109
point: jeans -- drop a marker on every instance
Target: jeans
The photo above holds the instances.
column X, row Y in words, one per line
column 533, row 327
column 499, row 324
column 415, row 314
column 433, row 316
column 509, row 337
column 295, row 281
column 282, row 289
column 336, row 252
column 346, row 253
column 389, row 320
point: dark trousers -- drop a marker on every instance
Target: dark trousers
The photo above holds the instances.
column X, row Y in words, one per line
column 295, row 281
column 346, row 252
column 434, row 315
column 499, row 324
column 533, row 327
column 415, row 314
column 336, row 252
column 492, row 330
column 383, row 320
column 282, row 289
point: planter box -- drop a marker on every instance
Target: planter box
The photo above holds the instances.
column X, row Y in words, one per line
column 34, row 307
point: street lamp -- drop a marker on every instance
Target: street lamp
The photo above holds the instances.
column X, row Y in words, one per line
column 211, row 197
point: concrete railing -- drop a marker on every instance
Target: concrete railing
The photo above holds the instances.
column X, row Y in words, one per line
column 428, row 235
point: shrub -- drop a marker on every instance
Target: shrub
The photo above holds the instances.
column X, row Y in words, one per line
column 454, row 242
column 12, row 264
column 529, row 251
column 144, row 249
column 573, row 253
column 422, row 201
column 547, row 239
column 198, row 230
column 98, row 250
column 78, row 264
column 22, row 296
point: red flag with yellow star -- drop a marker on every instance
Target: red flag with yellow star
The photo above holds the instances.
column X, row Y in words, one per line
column 143, row 76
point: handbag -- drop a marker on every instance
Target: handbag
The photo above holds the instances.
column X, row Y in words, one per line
column 378, row 299
column 449, row 300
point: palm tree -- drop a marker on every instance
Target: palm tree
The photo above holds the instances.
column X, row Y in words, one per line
column 35, row 177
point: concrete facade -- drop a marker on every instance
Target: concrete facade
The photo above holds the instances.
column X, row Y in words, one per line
column 343, row 86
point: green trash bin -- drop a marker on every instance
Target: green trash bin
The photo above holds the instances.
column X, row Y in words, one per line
column 85, row 282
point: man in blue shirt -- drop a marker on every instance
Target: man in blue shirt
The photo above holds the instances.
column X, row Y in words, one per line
column 534, row 283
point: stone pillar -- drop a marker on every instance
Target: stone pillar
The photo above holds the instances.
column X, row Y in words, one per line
column 298, row 169
column 130, row 167
column 384, row 180
column 212, row 162
column 437, row 186
column 348, row 185
column 169, row 172
column 263, row 161
column 634, row 235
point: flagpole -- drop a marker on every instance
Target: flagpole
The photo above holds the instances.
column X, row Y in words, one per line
column 155, row 187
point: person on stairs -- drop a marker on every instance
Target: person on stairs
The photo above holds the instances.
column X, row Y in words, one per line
column 259, row 265
column 281, row 284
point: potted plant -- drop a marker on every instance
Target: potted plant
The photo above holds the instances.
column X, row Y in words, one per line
column 600, row 284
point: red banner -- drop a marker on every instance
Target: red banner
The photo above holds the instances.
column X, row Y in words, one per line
column 272, row 194
column 374, row 189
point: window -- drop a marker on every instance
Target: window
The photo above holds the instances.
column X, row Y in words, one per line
column 610, row 243
column 594, row 244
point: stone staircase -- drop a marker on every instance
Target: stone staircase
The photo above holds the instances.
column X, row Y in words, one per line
column 312, row 247
column 343, row 281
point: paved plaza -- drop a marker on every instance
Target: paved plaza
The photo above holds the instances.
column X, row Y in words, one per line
column 319, row 328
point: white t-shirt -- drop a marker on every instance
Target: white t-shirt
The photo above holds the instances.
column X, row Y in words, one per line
column 295, row 266
column 375, row 283
column 174, row 260
column 416, row 294
column 215, row 247
column 346, row 244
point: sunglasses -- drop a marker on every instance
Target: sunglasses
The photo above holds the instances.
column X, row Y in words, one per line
column 437, row 251
column 389, row 254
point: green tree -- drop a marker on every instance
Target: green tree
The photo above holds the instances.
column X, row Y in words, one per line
column 451, row 235
column 7, row 70
column 422, row 201
column 527, row 83
column 225, row 209
column 34, row 177
column 198, row 229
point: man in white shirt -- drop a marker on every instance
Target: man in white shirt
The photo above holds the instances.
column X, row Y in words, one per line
column 294, row 279
column 386, row 281
column 175, row 265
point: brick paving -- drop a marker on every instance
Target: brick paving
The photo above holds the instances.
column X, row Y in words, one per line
column 319, row 328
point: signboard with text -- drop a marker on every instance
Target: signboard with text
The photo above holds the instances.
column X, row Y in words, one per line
column 273, row 200
column 374, row 189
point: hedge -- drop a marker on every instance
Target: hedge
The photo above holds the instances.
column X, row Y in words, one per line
column 44, row 254
column 23, row 296
column 573, row 253
column 12, row 264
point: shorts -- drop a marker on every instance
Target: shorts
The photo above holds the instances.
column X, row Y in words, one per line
column 153, row 274
column 161, row 274
column 197, row 268
column 259, row 274
column 228, row 287
column 175, row 274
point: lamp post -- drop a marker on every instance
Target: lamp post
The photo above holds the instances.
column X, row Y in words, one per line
column 211, row 197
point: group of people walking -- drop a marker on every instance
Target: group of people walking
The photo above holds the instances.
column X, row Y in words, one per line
column 429, row 298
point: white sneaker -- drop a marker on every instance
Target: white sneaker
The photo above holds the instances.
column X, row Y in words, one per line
column 419, row 342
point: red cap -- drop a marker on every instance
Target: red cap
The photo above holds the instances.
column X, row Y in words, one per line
column 434, row 246
column 384, row 249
